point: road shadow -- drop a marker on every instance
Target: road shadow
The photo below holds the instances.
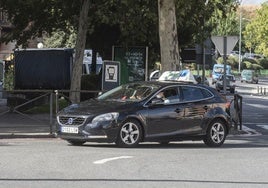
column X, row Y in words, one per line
column 231, row 143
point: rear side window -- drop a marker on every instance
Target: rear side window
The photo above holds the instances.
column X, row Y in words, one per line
column 195, row 93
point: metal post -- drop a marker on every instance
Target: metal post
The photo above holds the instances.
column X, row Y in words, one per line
column 240, row 112
column 56, row 101
column 51, row 112
column 240, row 38
column 204, row 61
column 225, row 62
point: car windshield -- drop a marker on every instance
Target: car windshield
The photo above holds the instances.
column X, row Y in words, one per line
column 229, row 77
column 130, row 92
column 247, row 73
column 219, row 70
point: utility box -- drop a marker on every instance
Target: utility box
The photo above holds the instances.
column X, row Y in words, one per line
column 43, row 68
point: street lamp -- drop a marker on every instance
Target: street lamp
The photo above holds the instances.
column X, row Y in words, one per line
column 240, row 40
column 240, row 33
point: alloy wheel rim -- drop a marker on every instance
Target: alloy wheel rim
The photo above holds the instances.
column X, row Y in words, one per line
column 217, row 133
column 129, row 133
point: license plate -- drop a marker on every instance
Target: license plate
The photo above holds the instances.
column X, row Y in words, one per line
column 69, row 130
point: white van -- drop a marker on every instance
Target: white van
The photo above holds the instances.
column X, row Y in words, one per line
column 218, row 70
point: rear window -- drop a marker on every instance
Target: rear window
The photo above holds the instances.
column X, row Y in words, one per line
column 195, row 93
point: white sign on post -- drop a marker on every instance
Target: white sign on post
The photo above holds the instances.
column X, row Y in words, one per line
column 224, row 44
column 219, row 43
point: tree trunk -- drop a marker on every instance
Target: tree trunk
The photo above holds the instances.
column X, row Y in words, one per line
column 79, row 53
column 168, row 35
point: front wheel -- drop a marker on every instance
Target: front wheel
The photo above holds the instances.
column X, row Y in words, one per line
column 216, row 134
column 130, row 134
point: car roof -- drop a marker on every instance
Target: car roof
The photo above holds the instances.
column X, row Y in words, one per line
column 164, row 83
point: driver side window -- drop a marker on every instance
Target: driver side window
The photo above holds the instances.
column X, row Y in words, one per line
column 166, row 96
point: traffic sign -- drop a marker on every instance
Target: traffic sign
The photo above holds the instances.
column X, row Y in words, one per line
column 219, row 43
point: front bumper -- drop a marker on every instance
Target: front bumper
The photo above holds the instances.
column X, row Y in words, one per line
column 103, row 132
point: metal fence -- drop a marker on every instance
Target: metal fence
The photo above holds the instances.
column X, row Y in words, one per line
column 34, row 110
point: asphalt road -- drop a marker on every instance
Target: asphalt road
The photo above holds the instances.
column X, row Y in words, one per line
column 240, row 163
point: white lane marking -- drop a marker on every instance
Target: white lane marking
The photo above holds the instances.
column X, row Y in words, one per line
column 102, row 161
column 263, row 126
column 250, row 132
column 257, row 105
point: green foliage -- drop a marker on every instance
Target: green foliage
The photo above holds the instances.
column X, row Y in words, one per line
column 225, row 24
column 31, row 18
column 232, row 61
column 110, row 22
column 264, row 63
column 59, row 39
column 256, row 67
column 249, row 63
column 9, row 80
column 256, row 33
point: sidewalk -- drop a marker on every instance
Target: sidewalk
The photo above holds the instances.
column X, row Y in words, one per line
column 16, row 125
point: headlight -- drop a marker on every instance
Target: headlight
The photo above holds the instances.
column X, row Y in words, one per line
column 106, row 117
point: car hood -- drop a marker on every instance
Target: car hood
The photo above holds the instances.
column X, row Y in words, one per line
column 91, row 107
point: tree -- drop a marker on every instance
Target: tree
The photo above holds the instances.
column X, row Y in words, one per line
column 79, row 53
column 168, row 35
column 31, row 18
column 109, row 22
column 256, row 33
column 60, row 39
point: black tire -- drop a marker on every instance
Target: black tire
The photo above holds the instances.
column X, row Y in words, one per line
column 130, row 134
column 216, row 133
column 76, row 142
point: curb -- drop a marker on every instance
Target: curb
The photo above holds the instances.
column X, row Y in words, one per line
column 27, row 135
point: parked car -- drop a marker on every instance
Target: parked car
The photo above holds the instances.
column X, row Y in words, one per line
column 253, row 56
column 230, row 83
column 249, row 76
column 155, row 111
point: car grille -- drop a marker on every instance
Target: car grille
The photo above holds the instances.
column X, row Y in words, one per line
column 69, row 120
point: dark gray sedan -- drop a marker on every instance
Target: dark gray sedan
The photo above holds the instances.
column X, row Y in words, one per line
column 148, row 111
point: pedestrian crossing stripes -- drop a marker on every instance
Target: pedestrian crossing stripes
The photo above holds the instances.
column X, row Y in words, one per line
column 251, row 129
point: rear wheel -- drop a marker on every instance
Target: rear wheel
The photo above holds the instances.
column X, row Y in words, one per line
column 130, row 134
column 216, row 133
column 76, row 142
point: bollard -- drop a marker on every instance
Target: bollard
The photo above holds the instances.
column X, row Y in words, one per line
column 56, row 101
